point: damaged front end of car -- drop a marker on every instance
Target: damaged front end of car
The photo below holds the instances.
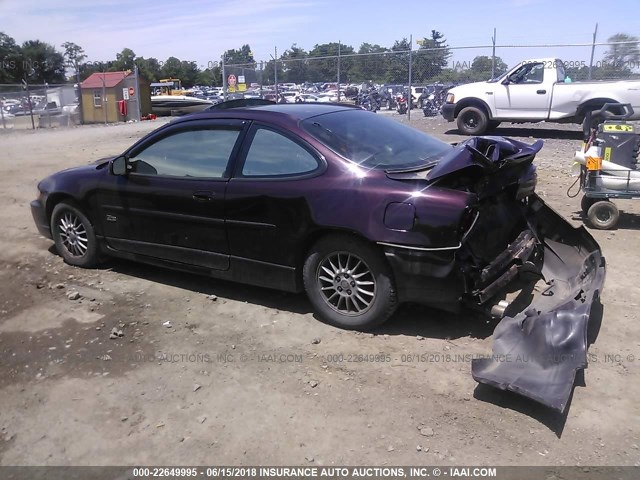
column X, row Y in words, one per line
column 517, row 239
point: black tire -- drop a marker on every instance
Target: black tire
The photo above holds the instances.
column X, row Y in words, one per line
column 472, row 121
column 492, row 125
column 603, row 215
column 585, row 204
column 74, row 236
column 348, row 308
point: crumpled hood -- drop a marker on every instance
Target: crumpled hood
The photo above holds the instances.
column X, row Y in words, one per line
column 497, row 150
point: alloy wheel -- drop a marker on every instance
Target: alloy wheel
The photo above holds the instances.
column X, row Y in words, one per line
column 346, row 283
column 73, row 234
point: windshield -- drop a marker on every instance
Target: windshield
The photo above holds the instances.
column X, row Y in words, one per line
column 375, row 142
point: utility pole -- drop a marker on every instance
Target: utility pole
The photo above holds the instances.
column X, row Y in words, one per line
column 4, row 125
column 593, row 49
column 409, row 96
column 137, row 92
column 224, row 81
column 79, row 92
column 275, row 70
column 338, row 71
column 493, row 54
column 26, row 87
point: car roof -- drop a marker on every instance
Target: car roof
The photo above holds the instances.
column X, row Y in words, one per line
column 285, row 111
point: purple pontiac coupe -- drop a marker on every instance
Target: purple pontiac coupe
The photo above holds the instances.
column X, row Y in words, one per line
column 361, row 212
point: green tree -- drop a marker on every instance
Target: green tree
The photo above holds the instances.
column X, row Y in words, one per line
column 189, row 72
column 243, row 56
column 621, row 58
column 86, row 69
column 432, row 56
column 370, row 65
column 41, row 63
column 481, row 68
column 625, row 55
column 149, row 68
column 211, row 77
column 294, row 64
column 326, row 69
column 74, row 55
column 269, row 70
column 125, row 60
column 172, row 68
column 398, row 63
column 9, row 60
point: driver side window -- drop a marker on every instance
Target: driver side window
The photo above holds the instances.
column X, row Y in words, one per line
column 530, row 73
column 200, row 153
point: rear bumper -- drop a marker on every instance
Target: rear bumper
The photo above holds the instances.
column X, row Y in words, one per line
column 538, row 351
column 448, row 111
column 40, row 218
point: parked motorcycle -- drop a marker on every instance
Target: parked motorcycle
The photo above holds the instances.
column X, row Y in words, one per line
column 369, row 100
column 433, row 104
column 401, row 103
column 430, row 106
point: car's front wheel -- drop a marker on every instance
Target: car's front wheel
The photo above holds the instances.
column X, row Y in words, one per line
column 74, row 236
column 349, row 283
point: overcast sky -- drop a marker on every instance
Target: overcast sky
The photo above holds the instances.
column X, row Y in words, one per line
column 202, row 30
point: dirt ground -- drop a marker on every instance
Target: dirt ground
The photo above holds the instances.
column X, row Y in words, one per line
column 251, row 377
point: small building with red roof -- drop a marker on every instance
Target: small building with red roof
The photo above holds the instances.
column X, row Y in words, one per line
column 111, row 97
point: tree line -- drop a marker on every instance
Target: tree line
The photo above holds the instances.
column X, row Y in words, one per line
column 37, row 62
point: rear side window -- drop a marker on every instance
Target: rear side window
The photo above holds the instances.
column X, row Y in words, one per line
column 273, row 154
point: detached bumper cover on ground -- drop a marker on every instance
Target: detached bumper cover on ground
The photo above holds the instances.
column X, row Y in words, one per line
column 537, row 352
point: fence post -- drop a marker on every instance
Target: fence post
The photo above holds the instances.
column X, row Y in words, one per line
column 4, row 125
column 46, row 103
column 26, row 87
column 409, row 96
column 79, row 95
column 275, row 71
column 224, row 81
column 493, row 54
column 138, row 96
column 593, row 49
column 338, row 71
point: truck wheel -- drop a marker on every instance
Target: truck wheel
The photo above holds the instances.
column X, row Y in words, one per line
column 472, row 121
column 603, row 215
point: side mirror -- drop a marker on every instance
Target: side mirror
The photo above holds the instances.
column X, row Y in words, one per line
column 506, row 81
column 120, row 165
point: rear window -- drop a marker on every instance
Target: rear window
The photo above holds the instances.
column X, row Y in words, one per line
column 373, row 141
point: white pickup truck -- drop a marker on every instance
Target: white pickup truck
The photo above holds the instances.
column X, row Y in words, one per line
column 534, row 91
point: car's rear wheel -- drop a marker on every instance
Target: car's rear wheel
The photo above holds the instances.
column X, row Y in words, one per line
column 74, row 236
column 472, row 121
column 603, row 215
column 349, row 283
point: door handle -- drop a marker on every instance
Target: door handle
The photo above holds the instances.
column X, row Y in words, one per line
column 541, row 92
column 203, row 196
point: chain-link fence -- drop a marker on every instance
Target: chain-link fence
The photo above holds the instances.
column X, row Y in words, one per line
column 25, row 106
column 336, row 75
